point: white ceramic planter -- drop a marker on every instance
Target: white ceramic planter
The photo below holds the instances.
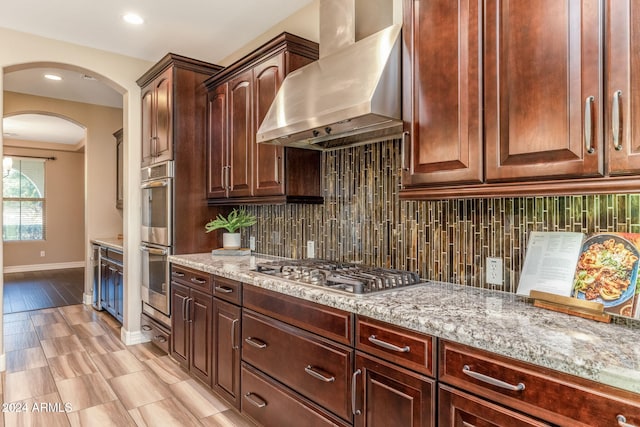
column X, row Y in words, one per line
column 231, row 240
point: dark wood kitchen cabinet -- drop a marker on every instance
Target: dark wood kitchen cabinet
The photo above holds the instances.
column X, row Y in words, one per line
column 287, row 339
column 240, row 135
column 549, row 110
column 542, row 80
column 239, row 170
column 516, row 386
column 227, row 336
column 386, row 390
column 173, row 126
column 443, row 97
column 191, row 321
column 157, row 126
column 112, row 282
column 459, row 409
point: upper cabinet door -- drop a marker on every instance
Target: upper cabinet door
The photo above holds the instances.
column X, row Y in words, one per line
column 269, row 159
column 622, row 100
column 543, row 103
column 164, row 116
column 148, row 126
column 217, row 142
column 157, row 119
column 241, row 134
column 442, row 92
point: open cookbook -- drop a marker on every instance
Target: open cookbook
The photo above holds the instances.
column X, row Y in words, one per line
column 602, row 267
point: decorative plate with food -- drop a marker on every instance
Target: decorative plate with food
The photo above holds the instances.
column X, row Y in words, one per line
column 607, row 270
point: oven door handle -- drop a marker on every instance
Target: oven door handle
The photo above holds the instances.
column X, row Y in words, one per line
column 153, row 251
column 155, row 184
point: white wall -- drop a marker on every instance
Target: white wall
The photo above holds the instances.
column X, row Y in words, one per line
column 120, row 72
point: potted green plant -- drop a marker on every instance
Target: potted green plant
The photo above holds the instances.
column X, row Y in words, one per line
column 237, row 219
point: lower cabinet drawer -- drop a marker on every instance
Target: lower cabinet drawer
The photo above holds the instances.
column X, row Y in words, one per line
column 271, row 404
column 543, row 393
column 154, row 332
column 313, row 366
column 462, row 409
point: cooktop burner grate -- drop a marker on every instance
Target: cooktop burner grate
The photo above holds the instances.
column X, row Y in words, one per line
column 348, row 277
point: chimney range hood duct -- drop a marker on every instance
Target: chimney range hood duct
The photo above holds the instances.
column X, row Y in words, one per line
column 349, row 97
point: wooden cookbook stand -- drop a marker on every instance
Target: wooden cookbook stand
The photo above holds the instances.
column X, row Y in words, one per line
column 576, row 307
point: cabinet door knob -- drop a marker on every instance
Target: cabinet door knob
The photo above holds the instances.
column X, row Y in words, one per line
column 490, row 380
column 588, row 125
column 616, row 120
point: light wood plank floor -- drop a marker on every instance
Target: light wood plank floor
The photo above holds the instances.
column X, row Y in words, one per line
column 34, row 290
column 66, row 366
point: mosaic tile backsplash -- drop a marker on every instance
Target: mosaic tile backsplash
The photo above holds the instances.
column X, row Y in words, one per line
column 362, row 219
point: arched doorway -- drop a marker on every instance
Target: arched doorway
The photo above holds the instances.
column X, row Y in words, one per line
column 43, row 209
column 71, row 98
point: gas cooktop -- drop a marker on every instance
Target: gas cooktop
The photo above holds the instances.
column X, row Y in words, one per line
column 342, row 276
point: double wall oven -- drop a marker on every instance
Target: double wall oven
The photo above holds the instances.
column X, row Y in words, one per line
column 157, row 239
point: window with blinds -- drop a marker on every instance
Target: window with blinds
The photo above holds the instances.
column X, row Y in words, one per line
column 23, row 201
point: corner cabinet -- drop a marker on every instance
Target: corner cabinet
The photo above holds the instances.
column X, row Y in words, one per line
column 239, row 170
column 523, row 98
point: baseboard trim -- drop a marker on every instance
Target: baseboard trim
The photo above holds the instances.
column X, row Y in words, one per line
column 132, row 337
column 41, row 267
column 87, row 299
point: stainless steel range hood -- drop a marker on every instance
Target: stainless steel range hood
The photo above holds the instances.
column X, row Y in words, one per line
column 351, row 96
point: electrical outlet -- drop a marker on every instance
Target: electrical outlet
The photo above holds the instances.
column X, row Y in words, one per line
column 311, row 249
column 494, row 271
column 252, row 243
column 41, row 253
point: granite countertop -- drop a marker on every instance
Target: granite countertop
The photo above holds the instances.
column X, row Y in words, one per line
column 109, row 242
column 499, row 322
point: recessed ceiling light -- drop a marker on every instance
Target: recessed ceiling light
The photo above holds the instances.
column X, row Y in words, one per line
column 133, row 18
column 53, row 77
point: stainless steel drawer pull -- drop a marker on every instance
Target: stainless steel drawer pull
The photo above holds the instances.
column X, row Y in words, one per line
column 255, row 342
column 255, row 400
column 224, row 289
column 177, row 274
column 622, row 421
column 315, row 374
column 490, row 380
column 198, row 281
column 234, row 346
column 161, row 338
column 354, row 411
column 588, row 126
column 389, row 346
column 146, row 328
column 466, row 424
column 403, row 150
column 616, row 122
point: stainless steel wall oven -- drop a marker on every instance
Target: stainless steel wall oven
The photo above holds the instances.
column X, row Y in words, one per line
column 157, row 238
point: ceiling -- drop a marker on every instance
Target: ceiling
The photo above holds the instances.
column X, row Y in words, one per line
column 208, row 30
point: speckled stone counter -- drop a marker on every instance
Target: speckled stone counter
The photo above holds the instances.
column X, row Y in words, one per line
column 499, row 322
column 109, row 242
